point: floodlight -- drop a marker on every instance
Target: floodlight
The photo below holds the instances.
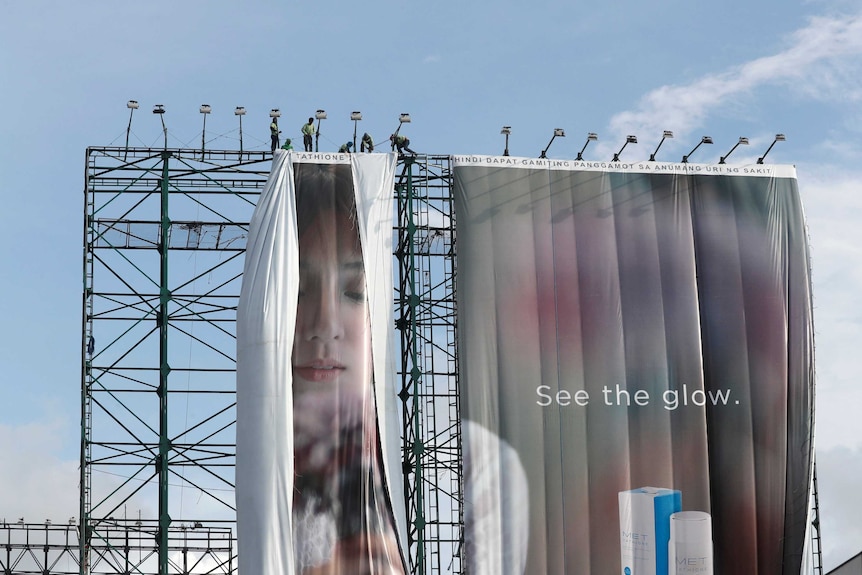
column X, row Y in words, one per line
column 629, row 140
column 355, row 116
column 240, row 111
column 778, row 138
column 160, row 110
column 403, row 118
column 591, row 137
column 275, row 113
column 132, row 105
column 703, row 140
column 742, row 140
column 558, row 132
column 320, row 115
column 506, row 131
column 665, row 135
column 205, row 110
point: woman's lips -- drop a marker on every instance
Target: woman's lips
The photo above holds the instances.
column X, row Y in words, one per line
column 319, row 371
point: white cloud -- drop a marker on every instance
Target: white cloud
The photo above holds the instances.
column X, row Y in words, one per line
column 833, row 206
column 838, row 472
column 35, row 482
column 821, row 62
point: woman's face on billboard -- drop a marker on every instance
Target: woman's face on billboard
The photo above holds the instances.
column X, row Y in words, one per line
column 332, row 341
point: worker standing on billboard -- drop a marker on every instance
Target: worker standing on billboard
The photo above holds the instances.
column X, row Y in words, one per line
column 273, row 133
column 367, row 144
column 308, row 134
column 402, row 143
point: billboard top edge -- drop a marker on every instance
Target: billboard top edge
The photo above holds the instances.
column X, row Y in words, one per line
column 646, row 167
column 298, row 157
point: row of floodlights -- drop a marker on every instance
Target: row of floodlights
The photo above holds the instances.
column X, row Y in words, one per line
column 592, row 137
column 48, row 522
column 404, row 118
column 73, row 521
column 274, row 113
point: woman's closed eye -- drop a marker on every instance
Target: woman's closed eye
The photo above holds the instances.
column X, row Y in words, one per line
column 355, row 296
column 354, row 288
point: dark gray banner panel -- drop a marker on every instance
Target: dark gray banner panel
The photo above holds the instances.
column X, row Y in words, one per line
column 636, row 350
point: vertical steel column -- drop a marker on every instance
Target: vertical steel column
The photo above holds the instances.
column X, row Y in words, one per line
column 415, row 374
column 84, row 531
column 164, row 369
column 817, row 544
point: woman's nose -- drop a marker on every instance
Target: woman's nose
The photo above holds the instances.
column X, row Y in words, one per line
column 324, row 316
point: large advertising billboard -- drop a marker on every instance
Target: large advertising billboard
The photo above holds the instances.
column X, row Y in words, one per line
column 317, row 431
column 636, row 354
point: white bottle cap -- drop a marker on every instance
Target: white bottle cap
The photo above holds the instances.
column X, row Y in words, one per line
column 690, row 526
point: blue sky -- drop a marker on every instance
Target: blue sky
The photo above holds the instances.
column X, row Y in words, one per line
column 462, row 70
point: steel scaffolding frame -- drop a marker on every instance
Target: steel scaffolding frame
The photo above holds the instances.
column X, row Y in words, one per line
column 426, row 322
column 163, row 242
column 164, row 236
column 130, row 547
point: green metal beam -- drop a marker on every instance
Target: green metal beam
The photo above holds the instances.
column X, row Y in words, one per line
column 415, row 377
column 164, row 370
column 84, row 533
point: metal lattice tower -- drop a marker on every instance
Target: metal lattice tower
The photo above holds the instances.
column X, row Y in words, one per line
column 426, row 321
column 164, row 236
column 164, row 239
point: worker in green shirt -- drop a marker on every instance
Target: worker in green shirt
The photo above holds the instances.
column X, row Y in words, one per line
column 345, row 148
column 402, row 143
column 367, row 143
column 273, row 133
column 287, row 145
column 307, row 135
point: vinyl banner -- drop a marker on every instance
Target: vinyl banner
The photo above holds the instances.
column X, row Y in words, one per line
column 317, row 431
column 636, row 356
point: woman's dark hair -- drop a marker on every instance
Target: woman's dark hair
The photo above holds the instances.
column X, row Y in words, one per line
column 320, row 188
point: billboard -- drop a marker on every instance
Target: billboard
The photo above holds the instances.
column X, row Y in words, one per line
column 317, row 431
column 636, row 354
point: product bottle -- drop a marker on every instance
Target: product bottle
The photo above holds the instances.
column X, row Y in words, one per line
column 690, row 547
